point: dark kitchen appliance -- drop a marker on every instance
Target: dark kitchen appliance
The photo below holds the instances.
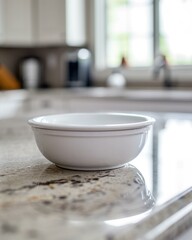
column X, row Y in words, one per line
column 31, row 72
column 78, row 68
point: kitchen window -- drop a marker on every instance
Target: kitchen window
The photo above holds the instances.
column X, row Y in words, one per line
column 141, row 29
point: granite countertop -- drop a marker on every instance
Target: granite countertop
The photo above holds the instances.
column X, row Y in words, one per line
column 41, row 201
column 161, row 94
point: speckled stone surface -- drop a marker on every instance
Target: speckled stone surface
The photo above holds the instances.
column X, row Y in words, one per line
column 36, row 197
column 41, row 201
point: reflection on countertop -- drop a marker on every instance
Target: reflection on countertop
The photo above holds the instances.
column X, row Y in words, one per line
column 96, row 196
column 39, row 200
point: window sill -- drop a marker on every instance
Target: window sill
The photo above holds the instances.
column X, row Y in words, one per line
column 181, row 76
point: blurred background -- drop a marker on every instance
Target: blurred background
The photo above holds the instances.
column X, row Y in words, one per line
column 82, row 43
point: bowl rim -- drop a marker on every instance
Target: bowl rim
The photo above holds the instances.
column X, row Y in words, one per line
column 37, row 123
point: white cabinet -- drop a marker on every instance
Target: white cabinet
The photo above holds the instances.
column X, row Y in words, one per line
column 41, row 22
column 26, row 22
column 51, row 21
column 75, row 22
column 16, row 21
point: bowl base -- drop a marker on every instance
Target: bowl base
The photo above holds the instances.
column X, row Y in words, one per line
column 88, row 168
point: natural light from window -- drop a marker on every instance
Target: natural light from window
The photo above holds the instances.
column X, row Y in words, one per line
column 130, row 31
column 175, row 30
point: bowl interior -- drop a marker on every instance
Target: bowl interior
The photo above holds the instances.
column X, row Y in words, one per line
column 91, row 121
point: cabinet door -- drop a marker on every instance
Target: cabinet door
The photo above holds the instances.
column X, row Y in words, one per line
column 51, row 24
column 1, row 22
column 17, row 21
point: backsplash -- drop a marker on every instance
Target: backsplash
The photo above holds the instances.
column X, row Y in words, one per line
column 52, row 58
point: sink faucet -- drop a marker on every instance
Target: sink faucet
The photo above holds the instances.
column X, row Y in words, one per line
column 161, row 67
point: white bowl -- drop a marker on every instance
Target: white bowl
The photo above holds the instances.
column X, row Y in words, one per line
column 91, row 141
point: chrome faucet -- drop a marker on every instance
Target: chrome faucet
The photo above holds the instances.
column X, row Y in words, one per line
column 161, row 67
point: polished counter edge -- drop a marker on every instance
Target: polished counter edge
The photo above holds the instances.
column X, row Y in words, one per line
column 166, row 222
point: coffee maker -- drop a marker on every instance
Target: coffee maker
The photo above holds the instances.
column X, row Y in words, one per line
column 78, row 68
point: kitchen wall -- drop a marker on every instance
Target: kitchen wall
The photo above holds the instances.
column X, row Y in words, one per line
column 54, row 61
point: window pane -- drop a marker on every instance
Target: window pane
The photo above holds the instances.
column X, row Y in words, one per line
column 175, row 30
column 129, row 32
column 140, row 51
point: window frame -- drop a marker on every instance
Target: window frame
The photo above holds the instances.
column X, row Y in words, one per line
column 100, row 33
column 96, row 41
